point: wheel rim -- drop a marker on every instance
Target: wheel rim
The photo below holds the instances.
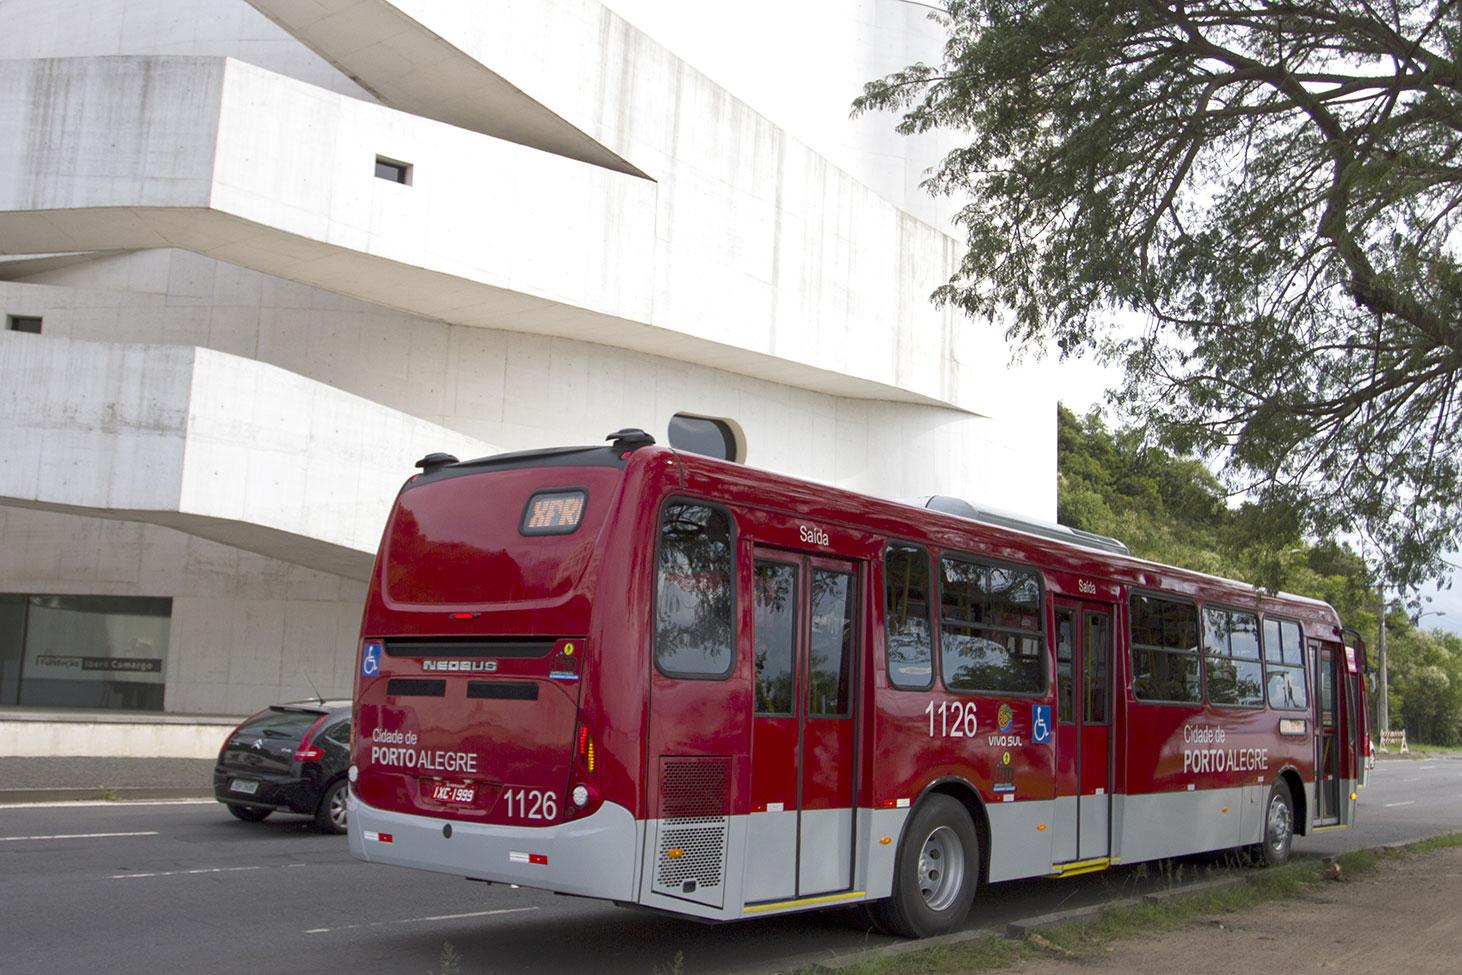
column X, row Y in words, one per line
column 941, row 868
column 1280, row 824
column 337, row 808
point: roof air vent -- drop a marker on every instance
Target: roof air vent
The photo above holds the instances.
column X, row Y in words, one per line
column 630, row 438
column 432, row 462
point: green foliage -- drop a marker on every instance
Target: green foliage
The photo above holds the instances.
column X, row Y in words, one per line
column 1270, row 191
column 1170, row 509
column 1426, row 684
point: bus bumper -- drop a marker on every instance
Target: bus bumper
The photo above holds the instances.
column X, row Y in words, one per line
column 593, row 857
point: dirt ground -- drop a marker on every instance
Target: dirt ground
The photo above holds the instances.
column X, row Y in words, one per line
column 1404, row 916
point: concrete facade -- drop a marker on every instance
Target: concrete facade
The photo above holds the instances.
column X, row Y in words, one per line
column 248, row 336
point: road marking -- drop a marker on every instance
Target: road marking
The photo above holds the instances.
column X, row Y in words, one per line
column 179, row 873
column 112, row 803
column 75, row 836
column 1393, row 805
column 418, row 920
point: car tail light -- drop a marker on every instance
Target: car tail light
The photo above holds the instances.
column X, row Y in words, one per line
column 307, row 752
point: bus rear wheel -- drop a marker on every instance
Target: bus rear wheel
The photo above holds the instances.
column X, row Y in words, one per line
column 935, row 873
column 1278, row 828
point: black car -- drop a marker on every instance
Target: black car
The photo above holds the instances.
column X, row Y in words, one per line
column 289, row 758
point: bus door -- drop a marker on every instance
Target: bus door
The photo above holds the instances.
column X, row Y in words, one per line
column 1083, row 731
column 1328, row 739
column 800, row 835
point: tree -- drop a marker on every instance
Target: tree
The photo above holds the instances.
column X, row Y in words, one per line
column 1255, row 205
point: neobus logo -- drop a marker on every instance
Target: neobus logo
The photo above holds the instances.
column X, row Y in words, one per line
column 479, row 666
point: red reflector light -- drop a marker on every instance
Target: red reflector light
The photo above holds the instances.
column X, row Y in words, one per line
column 587, row 752
column 309, row 753
column 538, row 858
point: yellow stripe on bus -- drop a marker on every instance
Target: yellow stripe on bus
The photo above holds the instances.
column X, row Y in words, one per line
column 804, row 902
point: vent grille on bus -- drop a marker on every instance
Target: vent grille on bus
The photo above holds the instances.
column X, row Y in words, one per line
column 690, row 859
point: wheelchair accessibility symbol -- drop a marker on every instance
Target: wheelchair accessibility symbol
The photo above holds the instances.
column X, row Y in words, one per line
column 370, row 660
column 1040, row 724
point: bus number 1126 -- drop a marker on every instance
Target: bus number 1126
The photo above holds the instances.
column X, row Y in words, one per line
column 956, row 719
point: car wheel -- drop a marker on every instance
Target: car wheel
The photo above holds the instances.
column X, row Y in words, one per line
column 249, row 814
column 330, row 814
column 935, row 873
column 1278, row 827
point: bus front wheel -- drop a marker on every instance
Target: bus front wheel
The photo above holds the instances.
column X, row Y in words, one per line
column 935, row 873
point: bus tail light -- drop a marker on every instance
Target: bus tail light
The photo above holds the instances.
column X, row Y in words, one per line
column 588, row 752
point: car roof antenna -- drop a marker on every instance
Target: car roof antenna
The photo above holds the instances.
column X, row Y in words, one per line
column 318, row 696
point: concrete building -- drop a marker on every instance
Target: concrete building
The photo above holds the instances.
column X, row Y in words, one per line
column 258, row 257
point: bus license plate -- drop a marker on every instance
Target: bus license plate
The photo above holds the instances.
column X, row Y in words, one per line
column 246, row 786
column 451, row 792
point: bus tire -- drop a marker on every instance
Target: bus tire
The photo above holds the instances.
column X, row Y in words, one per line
column 1274, row 849
column 935, row 873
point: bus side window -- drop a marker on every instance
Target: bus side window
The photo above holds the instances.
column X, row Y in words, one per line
column 694, row 592
column 908, row 646
column 990, row 635
column 1284, row 665
column 1165, row 650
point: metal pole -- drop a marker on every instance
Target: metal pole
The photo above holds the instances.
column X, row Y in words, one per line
column 1383, row 706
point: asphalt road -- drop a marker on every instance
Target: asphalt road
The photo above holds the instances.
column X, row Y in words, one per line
column 183, row 887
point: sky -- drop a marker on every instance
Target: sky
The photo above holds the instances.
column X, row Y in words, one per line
column 703, row 35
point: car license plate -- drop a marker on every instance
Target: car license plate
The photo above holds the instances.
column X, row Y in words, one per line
column 246, row 786
column 452, row 792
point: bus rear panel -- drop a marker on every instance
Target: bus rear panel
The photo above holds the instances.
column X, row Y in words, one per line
column 476, row 653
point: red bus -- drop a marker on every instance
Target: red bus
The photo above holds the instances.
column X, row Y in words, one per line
column 634, row 673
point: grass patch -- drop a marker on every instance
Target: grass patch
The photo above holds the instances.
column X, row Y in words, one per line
column 1092, row 936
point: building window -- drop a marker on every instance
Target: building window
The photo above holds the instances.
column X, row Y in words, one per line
column 709, row 436
column 23, row 323
column 83, row 651
column 393, row 170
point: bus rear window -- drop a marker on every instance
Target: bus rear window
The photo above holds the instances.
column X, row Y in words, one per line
column 693, row 592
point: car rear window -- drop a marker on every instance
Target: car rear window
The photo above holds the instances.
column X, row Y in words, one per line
column 280, row 723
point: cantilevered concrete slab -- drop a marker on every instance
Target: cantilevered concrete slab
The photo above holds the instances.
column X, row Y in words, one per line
column 224, row 448
column 777, row 267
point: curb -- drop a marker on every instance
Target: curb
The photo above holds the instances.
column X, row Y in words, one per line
column 1016, row 930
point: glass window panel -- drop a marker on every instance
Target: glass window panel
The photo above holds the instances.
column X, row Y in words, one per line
column 1235, row 682
column 95, row 652
column 1293, row 639
column 1160, row 675
column 694, row 593
column 1098, row 652
column 1244, row 636
column 909, row 644
column 830, row 666
column 1287, row 690
column 1273, row 648
column 775, row 636
column 1065, row 658
column 991, row 661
